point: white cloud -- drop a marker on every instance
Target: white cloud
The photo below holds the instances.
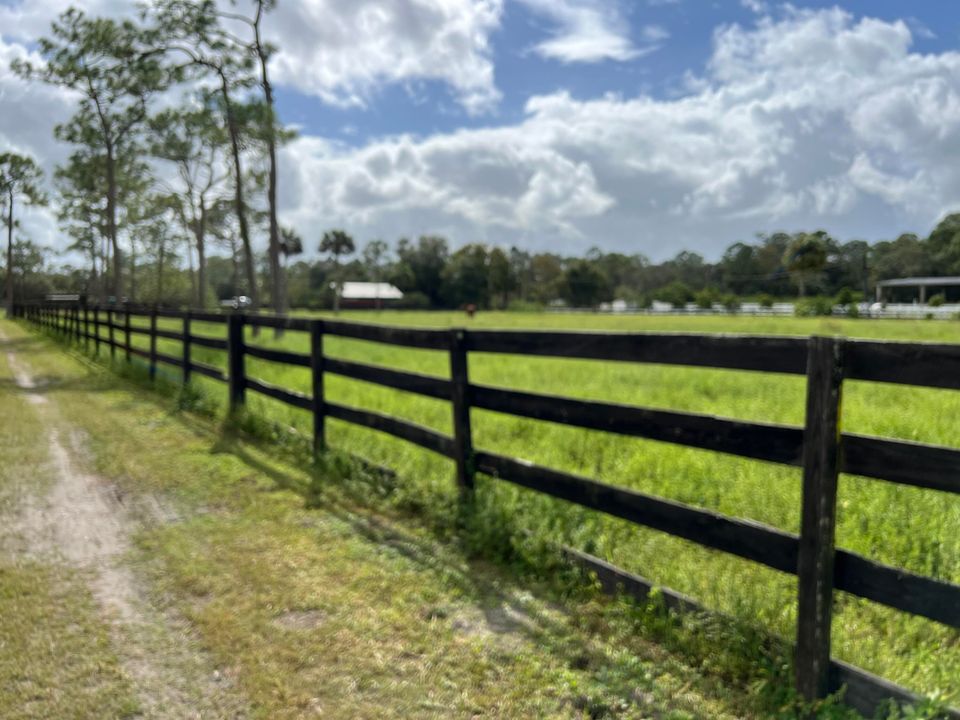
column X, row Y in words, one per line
column 585, row 31
column 758, row 6
column 814, row 120
column 345, row 50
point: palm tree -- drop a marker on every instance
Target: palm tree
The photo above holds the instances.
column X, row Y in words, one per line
column 337, row 243
column 373, row 256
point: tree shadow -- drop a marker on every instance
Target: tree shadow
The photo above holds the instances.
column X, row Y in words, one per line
column 542, row 615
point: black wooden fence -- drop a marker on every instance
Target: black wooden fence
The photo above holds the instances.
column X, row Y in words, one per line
column 819, row 448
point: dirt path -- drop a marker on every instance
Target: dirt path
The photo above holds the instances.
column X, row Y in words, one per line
column 83, row 522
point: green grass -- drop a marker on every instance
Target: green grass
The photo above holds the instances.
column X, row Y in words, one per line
column 56, row 659
column 341, row 607
column 910, row 528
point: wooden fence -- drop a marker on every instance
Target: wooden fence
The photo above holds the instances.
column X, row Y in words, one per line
column 820, row 448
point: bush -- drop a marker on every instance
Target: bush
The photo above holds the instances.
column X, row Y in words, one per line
column 731, row 302
column 765, row 300
column 814, row 306
column 705, row 299
column 937, row 300
column 845, row 296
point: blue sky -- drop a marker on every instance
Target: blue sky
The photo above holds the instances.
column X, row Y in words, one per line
column 428, row 107
column 648, row 126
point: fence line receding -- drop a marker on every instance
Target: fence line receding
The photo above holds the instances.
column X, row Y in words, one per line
column 819, row 448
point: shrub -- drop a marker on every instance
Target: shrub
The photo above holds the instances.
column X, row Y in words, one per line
column 704, row 299
column 731, row 302
column 765, row 300
column 814, row 306
column 845, row 296
column 937, row 300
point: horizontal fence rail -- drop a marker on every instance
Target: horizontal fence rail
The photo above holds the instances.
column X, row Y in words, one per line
column 819, row 448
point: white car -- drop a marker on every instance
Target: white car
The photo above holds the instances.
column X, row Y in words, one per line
column 237, row 303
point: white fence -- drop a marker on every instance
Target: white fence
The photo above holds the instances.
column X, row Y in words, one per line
column 890, row 311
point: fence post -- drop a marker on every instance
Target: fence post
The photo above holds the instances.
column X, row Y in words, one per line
column 96, row 329
column 86, row 327
column 186, row 347
column 235, row 364
column 113, row 345
column 153, row 343
column 316, row 373
column 821, row 462
column 459, row 383
column 126, row 329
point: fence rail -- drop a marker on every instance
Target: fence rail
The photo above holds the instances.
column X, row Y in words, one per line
column 819, row 447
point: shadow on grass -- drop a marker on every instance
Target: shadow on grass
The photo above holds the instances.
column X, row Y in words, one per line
column 572, row 621
column 562, row 615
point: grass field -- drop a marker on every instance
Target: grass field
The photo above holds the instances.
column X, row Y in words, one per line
column 911, row 528
column 264, row 587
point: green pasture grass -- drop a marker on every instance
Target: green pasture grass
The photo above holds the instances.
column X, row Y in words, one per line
column 339, row 607
column 911, row 528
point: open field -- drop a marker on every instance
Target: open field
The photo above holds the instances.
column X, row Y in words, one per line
column 906, row 527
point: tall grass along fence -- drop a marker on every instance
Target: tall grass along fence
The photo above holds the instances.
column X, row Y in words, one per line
column 820, row 447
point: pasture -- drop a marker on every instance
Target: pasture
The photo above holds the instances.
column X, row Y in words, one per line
column 906, row 527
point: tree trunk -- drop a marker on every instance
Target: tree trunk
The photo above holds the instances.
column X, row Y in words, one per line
column 159, row 299
column 93, row 290
column 10, row 254
column 133, row 272
column 336, row 286
column 277, row 279
column 112, row 221
column 241, row 208
column 201, row 231
column 276, row 271
column 193, row 277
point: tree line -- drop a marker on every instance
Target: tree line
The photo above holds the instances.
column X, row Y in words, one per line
column 432, row 274
column 171, row 186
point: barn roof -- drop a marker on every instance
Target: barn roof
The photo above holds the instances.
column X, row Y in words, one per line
column 920, row 281
column 370, row 291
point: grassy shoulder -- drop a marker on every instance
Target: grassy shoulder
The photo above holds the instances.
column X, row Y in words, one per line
column 56, row 659
column 336, row 606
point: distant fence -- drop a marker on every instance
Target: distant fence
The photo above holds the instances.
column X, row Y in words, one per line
column 873, row 311
column 819, row 447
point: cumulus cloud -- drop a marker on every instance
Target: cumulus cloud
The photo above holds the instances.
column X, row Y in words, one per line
column 758, row 6
column 587, row 31
column 815, row 119
column 809, row 119
column 344, row 50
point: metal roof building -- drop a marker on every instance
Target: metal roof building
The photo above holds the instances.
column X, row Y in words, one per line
column 917, row 282
column 370, row 291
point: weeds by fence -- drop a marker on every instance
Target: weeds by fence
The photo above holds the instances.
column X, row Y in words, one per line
column 820, row 447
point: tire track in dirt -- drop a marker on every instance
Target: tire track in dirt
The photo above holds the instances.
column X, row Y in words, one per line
column 82, row 521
